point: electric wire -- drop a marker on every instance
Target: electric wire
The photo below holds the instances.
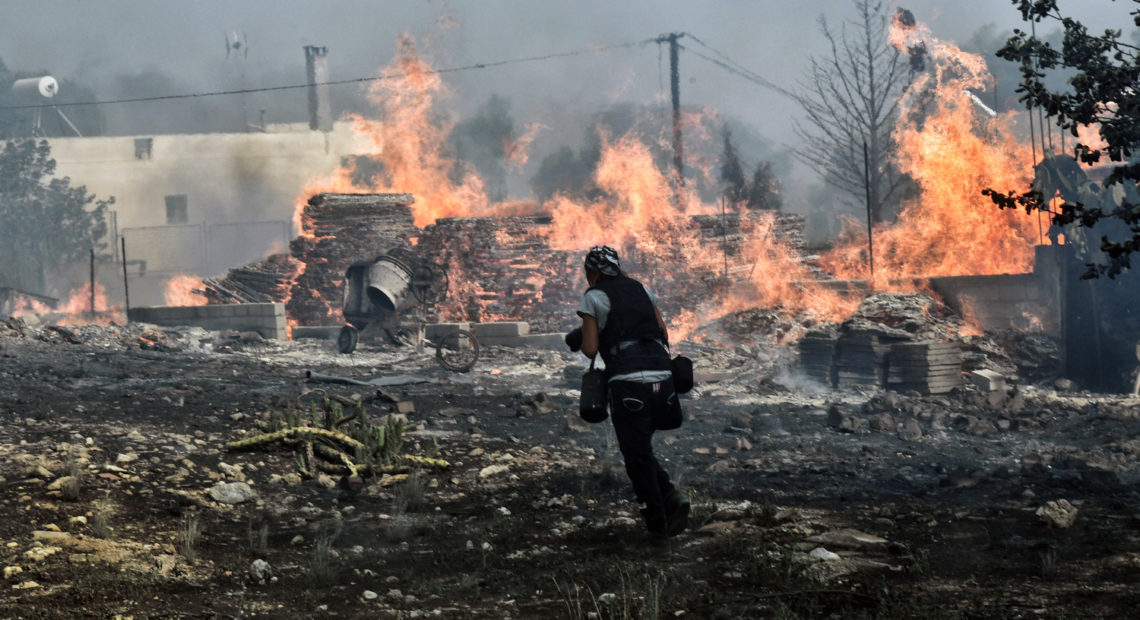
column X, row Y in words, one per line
column 359, row 80
column 723, row 61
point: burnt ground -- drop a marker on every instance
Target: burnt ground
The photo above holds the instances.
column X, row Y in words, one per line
column 805, row 503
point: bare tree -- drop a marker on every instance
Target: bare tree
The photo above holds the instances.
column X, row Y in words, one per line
column 851, row 99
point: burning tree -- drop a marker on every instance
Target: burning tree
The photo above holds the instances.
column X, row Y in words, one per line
column 1104, row 83
column 851, row 100
column 45, row 223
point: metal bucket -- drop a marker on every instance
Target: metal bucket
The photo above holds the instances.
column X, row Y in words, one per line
column 388, row 284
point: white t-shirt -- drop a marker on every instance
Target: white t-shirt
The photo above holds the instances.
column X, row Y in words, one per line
column 597, row 304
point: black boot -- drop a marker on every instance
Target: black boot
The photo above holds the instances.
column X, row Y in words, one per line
column 657, row 525
column 677, row 509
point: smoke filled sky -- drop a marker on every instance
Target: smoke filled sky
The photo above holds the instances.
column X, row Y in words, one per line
column 180, row 47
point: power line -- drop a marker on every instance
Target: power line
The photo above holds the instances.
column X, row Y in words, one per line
column 388, row 76
column 728, row 64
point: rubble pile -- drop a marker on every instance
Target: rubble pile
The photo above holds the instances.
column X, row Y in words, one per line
column 907, row 342
column 752, row 326
column 120, row 337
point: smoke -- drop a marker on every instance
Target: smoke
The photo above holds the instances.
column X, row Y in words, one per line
column 175, row 48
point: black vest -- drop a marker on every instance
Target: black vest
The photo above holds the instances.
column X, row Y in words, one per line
column 632, row 319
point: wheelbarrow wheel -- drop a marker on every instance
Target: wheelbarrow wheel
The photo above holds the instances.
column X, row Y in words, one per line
column 457, row 351
column 347, row 338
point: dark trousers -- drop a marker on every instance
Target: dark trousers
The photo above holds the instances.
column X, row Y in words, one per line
column 634, row 407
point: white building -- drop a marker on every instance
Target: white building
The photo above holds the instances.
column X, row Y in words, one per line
column 200, row 203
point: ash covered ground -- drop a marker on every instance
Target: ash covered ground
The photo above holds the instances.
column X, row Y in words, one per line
column 122, row 495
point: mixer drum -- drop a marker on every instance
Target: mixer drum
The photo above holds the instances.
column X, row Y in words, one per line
column 387, row 285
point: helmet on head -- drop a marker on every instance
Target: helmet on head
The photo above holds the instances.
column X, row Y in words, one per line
column 603, row 259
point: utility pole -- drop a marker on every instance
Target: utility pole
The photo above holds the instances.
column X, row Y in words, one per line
column 675, row 89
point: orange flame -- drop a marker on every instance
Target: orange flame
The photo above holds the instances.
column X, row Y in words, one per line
column 952, row 152
column 950, row 229
column 971, row 324
column 77, row 309
column 179, row 290
column 407, row 139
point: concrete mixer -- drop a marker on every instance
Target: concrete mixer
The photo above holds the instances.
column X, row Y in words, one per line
column 387, row 296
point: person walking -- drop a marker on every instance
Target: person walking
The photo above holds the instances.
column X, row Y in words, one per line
column 621, row 322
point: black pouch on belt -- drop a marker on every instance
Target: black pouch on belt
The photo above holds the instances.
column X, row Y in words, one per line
column 592, row 405
column 682, row 374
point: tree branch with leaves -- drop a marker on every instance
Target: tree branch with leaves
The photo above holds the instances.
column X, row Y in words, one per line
column 45, row 223
column 1104, row 92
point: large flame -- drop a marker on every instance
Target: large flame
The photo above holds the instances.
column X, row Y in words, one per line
column 407, row 140
column 950, row 150
column 953, row 151
column 183, row 290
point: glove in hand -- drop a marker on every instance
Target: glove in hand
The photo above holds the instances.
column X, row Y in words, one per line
column 574, row 339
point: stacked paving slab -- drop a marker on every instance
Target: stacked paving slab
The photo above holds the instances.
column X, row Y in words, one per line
column 860, row 359
column 894, row 341
column 925, row 367
column 268, row 320
column 817, row 356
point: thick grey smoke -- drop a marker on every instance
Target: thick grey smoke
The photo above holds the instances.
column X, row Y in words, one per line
column 138, row 48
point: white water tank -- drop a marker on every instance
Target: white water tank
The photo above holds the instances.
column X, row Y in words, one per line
column 36, row 87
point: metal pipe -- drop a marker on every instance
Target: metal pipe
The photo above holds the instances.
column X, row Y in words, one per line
column 92, row 282
column 870, row 227
column 126, row 287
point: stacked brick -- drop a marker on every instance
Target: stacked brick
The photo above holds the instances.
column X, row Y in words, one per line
column 264, row 282
column 498, row 268
column 730, row 228
column 503, row 269
column 336, row 231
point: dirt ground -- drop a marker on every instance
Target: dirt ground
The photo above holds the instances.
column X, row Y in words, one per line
column 806, row 503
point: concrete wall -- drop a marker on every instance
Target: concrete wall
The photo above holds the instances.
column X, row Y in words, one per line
column 265, row 319
column 241, row 193
column 1001, row 301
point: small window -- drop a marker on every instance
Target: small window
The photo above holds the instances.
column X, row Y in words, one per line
column 176, row 212
column 143, row 147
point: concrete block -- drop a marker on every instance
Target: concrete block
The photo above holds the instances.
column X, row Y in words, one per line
column 266, row 319
column 555, row 342
column 987, row 380
column 435, row 331
column 501, row 341
column 502, row 328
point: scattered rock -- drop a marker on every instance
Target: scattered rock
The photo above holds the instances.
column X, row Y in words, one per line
column 819, row 553
column 849, row 538
column 231, row 492
column 910, row 431
column 882, row 422
column 1059, row 513
column 1064, row 385
column 493, row 470
column 260, row 571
